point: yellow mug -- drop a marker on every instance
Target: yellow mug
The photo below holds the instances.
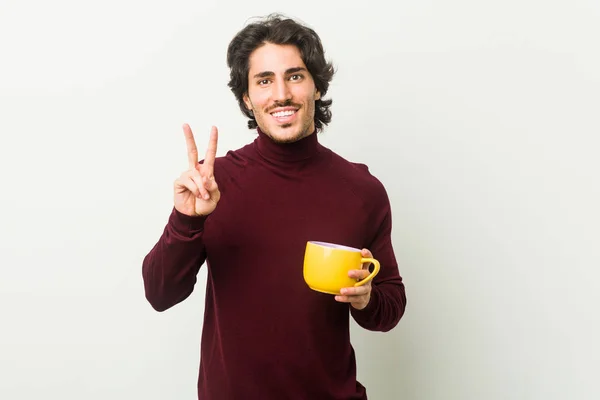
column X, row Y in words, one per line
column 326, row 266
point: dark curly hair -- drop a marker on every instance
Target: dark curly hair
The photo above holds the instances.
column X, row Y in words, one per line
column 277, row 29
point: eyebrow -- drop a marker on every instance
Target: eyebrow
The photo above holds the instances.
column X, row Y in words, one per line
column 289, row 71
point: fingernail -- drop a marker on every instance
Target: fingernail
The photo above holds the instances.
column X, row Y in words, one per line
column 206, row 197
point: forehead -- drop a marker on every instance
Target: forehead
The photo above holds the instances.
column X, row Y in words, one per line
column 276, row 58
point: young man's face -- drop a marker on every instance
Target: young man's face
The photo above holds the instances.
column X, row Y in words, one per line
column 281, row 93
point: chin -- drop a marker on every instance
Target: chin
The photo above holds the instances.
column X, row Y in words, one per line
column 283, row 134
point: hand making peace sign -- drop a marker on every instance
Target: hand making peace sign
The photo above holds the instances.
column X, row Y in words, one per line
column 196, row 191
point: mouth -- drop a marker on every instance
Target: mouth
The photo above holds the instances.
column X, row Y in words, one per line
column 284, row 115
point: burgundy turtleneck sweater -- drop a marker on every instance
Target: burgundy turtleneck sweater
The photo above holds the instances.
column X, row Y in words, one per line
column 266, row 334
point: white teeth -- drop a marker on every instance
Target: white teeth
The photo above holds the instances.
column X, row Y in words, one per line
column 283, row 113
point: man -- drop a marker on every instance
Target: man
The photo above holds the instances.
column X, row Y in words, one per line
column 266, row 334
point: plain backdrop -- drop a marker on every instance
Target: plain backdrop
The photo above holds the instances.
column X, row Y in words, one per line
column 481, row 118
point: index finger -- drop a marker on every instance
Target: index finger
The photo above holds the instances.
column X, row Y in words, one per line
column 190, row 143
column 211, row 151
column 358, row 274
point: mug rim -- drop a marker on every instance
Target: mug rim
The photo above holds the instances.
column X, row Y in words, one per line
column 334, row 246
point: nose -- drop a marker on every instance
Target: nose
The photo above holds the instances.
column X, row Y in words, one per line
column 281, row 91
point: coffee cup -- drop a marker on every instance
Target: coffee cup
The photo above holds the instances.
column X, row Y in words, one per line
column 326, row 266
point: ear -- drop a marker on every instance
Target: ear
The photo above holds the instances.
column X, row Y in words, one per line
column 317, row 94
column 247, row 102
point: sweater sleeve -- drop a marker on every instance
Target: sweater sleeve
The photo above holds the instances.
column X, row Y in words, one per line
column 169, row 270
column 388, row 298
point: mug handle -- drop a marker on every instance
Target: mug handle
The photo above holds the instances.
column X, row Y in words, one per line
column 372, row 274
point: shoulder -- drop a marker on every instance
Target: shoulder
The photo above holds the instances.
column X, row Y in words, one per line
column 360, row 180
column 355, row 171
column 232, row 164
column 235, row 158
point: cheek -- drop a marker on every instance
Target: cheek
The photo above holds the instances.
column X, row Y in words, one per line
column 259, row 100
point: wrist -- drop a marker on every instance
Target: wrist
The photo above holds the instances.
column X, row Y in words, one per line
column 187, row 223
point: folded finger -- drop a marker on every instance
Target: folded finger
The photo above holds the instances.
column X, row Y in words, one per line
column 342, row 299
column 358, row 273
column 202, row 190
column 186, row 183
column 355, row 291
column 211, row 184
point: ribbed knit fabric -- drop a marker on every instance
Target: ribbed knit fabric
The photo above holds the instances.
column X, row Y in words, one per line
column 266, row 335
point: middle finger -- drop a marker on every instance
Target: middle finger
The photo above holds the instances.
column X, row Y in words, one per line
column 355, row 291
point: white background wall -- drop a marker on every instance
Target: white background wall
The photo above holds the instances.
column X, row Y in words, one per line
column 480, row 117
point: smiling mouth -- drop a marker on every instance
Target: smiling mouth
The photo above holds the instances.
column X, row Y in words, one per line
column 284, row 116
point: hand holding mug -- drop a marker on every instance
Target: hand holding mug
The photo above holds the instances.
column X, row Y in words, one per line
column 358, row 296
column 341, row 271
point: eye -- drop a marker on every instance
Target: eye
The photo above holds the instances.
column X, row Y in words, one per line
column 263, row 82
column 296, row 77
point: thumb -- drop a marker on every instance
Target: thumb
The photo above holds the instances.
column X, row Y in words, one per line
column 213, row 189
column 365, row 253
column 210, row 184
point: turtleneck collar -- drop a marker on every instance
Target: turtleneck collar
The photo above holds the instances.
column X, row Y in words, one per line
column 302, row 149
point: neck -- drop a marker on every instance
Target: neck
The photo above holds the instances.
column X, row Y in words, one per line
column 299, row 150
